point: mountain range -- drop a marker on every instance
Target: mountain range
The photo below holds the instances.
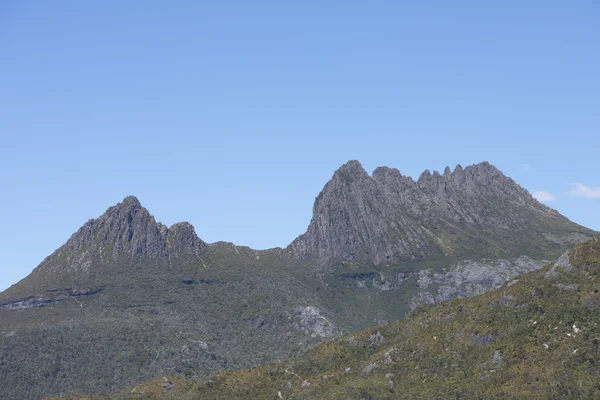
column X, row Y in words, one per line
column 127, row 298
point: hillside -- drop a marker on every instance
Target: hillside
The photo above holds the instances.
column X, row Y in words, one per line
column 535, row 337
column 127, row 298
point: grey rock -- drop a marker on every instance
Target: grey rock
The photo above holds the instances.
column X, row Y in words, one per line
column 376, row 338
column 563, row 264
column 183, row 239
column 125, row 231
column 167, row 384
column 470, row 278
column 127, row 227
column 482, row 340
column 373, row 340
column 494, row 362
column 568, row 288
column 369, row 368
column 388, row 217
column 311, row 321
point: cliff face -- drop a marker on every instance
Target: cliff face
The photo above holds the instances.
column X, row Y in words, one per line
column 388, row 217
column 126, row 229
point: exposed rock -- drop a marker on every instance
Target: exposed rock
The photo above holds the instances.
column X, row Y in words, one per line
column 125, row 230
column 369, row 367
column 372, row 340
column 470, row 278
column 494, row 362
column 563, row 264
column 376, row 338
column 571, row 287
column 388, row 217
column 482, row 340
column 310, row 321
column 183, row 239
column 569, row 239
column 167, row 384
column 385, row 285
column 126, row 227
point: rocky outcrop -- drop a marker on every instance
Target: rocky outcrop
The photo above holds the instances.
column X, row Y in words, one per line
column 126, row 229
column 470, row 278
column 183, row 239
column 311, row 321
column 388, row 217
column 563, row 264
column 50, row 297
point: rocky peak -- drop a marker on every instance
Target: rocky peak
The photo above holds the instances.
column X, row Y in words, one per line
column 127, row 230
column 350, row 172
column 130, row 202
column 352, row 166
column 385, row 173
column 389, row 217
column 182, row 237
column 392, row 178
column 484, row 173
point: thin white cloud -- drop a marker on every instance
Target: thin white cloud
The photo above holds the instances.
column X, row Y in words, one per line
column 541, row 195
column 580, row 190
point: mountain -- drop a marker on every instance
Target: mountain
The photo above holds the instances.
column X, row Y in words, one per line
column 536, row 337
column 127, row 298
column 390, row 218
column 124, row 232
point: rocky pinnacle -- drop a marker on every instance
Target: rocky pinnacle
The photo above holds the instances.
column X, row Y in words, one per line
column 125, row 230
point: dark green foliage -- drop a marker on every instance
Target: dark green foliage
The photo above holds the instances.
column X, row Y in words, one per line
column 538, row 337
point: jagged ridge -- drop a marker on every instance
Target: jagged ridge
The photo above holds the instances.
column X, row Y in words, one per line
column 388, row 217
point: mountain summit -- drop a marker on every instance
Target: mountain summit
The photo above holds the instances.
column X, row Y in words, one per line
column 388, row 217
column 126, row 233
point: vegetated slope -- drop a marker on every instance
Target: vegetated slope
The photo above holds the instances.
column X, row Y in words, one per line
column 127, row 298
column 536, row 337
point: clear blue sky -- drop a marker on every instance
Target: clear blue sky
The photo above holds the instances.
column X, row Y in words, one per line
column 233, row 115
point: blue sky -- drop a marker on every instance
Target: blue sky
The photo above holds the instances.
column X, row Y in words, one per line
column 233, row 115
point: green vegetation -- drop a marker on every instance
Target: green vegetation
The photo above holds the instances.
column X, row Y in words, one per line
column 536, row 337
